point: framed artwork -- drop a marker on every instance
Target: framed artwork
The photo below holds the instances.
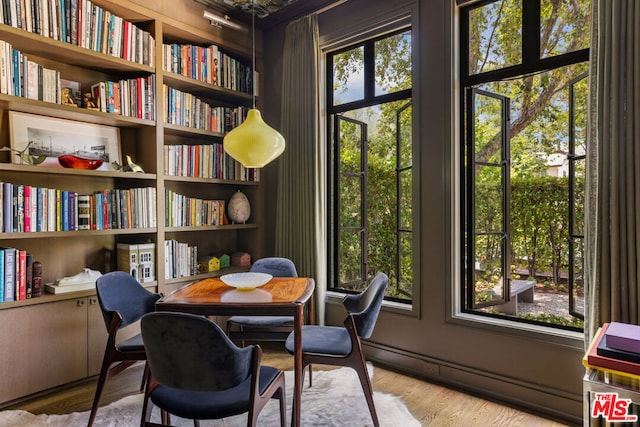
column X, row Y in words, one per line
column 50, row 142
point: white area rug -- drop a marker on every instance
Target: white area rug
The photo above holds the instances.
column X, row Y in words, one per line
column 336, row 399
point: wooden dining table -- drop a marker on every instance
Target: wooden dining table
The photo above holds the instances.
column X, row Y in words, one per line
column 281, row 296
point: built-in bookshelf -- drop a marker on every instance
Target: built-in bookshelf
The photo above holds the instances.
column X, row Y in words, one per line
column 111, row 63
column 208, row 64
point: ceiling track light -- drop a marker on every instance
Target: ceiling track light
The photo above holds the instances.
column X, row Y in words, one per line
column 222, row 21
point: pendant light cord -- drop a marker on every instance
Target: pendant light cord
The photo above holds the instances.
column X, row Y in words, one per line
column 253, row 50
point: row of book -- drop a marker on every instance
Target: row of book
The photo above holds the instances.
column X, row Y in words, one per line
column 207, row 64
column 186, row 109
column 184, row 211
column 20, row 276
column 20, row 76
column 81, row 23
column 180, row 259
column 25, row 208
column 205, row 161
column 135, row 97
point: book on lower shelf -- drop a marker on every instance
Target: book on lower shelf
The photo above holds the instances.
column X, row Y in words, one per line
column 16, row 275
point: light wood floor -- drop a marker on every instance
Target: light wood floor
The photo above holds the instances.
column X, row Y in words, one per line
column 432, row 404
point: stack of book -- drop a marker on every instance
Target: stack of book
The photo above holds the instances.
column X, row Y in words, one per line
column 25, row 208
column 17, row 275
column 180, row 259
column 208, row 64
column 20, row 76
column 185, row 211
column 81, row 23
column 616, row 347
column 205, row 161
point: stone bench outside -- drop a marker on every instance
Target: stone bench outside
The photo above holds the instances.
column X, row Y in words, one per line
column 521, row 291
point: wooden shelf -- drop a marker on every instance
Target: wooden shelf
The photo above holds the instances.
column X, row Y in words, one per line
column 87, row 233
column 35, row 44
column 49, row 298
column 210, row 180
column 26, row 105
column 76, row 172
column 177, row 130
column 207, row 91
column 210, row 228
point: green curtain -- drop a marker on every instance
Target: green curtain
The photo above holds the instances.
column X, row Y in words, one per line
column 300, row 212
column 612, row 251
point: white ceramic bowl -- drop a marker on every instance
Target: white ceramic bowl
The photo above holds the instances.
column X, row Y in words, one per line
column 246, row 281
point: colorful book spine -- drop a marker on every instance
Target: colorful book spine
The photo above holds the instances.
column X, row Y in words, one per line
column 26, row 208
column 8, row 206
column 29, row 275
column 1, row 275
column 37, row 279
column 84, row 212
column 9, row 274
column 18, row 194
column 21, row 275
column 64, row 210
column 72, row 210
column 40, row 192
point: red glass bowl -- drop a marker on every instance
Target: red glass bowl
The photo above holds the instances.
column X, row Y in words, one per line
column 75, row 162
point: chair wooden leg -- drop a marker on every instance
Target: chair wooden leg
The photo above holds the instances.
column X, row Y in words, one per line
column 102, row 378
column 365, row 381
column 283, row 409
column 147, row 408
column 165, row 417
column 145, row 376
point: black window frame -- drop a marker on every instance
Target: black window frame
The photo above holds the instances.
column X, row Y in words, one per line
column 531, row 63
column 369, row 99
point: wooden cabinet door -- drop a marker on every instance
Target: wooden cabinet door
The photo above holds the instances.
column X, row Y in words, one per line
column 42, row 346
column 96, row 336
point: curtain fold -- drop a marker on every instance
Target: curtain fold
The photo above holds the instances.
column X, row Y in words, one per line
column 300, row 202
column 612, row 263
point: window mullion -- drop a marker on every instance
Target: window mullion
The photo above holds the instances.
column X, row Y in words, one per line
column 369, row 71
column 530, row 32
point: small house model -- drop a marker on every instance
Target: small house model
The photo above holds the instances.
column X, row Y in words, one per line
column 240, row 259
column 138, row 260
column 225, row 261
column 209, row 263
column 146, row 261
column 128, row 258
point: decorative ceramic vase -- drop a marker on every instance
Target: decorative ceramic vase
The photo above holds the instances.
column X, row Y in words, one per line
column 75, row 162
column 238, row 208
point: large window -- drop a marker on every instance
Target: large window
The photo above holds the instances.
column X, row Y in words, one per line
column 371, row 169
column 524, row 67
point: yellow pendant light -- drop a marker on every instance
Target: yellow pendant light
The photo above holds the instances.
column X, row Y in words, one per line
column 254, row 143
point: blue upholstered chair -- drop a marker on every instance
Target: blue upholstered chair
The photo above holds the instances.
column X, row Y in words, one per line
column 341, row 346
column 123, row 301
column 198, row 373
column 264, row 328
